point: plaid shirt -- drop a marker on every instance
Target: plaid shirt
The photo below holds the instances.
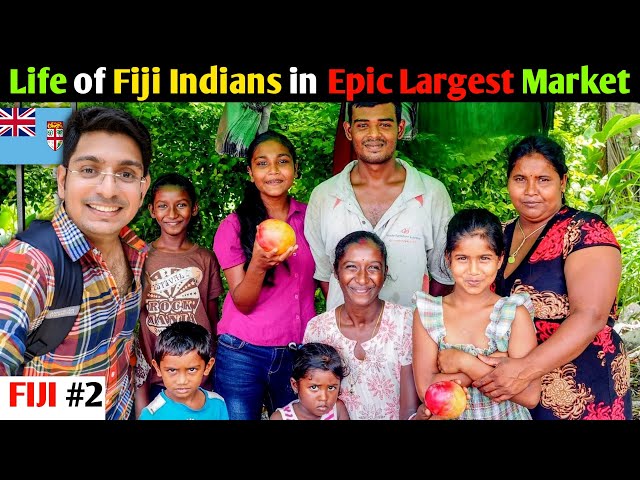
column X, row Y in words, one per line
column 100, row 342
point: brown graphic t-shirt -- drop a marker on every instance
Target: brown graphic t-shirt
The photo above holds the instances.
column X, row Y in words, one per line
column 177, row 288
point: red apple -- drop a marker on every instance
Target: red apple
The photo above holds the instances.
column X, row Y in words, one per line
column 446, row 399
column 273, row 233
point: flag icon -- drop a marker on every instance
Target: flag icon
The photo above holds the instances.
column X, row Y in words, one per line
column 45, row 144
column 55, row 131
column 17, row 122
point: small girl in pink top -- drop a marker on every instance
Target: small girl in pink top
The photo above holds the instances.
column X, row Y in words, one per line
column 317, row 372
column 271, row 296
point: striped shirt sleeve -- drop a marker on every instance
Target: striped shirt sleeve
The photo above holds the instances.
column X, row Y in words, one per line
column 25, row 282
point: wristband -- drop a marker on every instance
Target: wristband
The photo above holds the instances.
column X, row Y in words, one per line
column 412, row 416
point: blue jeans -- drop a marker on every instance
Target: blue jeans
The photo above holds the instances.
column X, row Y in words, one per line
column 248, row 376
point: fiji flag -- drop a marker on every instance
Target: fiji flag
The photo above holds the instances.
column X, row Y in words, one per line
column 32, row 135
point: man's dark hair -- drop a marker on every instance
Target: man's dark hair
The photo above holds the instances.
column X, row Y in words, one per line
column 351, row 105
column 96, row 119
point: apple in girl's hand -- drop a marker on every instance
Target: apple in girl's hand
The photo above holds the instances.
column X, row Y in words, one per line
column 446, row 399
column 273, row 233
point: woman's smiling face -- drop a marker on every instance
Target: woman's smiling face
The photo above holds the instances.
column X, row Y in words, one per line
column 361, row 272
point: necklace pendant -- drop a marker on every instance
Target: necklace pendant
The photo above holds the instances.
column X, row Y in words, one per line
column 511, row 259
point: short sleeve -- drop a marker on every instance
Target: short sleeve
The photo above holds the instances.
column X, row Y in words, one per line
column 441, row 213
column 308, row 335
column 313, row 234
column 406, row 349
column 26, row 288
column 226, row 243
column 215, row 281
column 590, row 230
column 503, row 315
column 430, row 311
column 142, row 368
column 319, row 328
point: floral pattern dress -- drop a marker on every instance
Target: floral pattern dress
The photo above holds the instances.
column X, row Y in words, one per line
column 596, row 384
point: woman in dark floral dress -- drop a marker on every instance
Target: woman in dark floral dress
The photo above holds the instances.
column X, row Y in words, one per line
column 569, row 262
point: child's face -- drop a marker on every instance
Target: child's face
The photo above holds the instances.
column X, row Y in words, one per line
column 361, row 272
column 474, row 264
column 172, row 209
column 272, row 169
column 318, row 393
column 182, row 375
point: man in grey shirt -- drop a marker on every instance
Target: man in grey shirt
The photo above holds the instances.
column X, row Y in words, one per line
column 407, row 209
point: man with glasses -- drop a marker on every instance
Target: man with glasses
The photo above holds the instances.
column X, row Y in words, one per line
column 102, row 182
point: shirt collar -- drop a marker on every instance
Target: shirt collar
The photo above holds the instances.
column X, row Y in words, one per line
column 413, row 185
column 294, row 207
column 76, row 244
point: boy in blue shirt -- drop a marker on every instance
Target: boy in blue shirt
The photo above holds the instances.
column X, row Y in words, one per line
column 182, row 357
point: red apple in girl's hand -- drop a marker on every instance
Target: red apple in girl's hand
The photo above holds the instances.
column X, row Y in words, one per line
column 273, row 233
column 445, row 399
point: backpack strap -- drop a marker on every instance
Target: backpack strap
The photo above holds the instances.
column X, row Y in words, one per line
column 67, row 296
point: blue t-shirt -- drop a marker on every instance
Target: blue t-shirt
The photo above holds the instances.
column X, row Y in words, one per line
column 163, row 408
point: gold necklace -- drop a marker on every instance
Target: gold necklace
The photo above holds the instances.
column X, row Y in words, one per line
column 353, row 379
column 512, row 257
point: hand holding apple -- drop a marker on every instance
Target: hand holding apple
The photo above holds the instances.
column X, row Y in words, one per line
column 268, row 249
column 273, row 233
column 446, row 399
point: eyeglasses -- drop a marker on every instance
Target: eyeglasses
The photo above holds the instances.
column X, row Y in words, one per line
column 96, row 177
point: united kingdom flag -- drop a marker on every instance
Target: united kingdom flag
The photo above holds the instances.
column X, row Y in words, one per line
column 17, row 122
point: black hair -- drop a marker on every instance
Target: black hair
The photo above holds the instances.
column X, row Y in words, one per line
column 176, row 180
column 180, row 181
column 475, row 222
column 112, row 120
column 356, row 237
column 251, row 211
column 317, row 356
column 397, row 106
column 545, row 146
column 180, row 338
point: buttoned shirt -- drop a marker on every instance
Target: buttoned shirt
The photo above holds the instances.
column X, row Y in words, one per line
column 413, row 230
column 283, row 309
column 100, row 342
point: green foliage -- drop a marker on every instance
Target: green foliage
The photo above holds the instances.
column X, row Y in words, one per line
column 39, row 197
column 7, row 181
column 575, row 118
column 311, row 127
column 473, row 170
column 627, row 232
column 615, row 197
column 613, row 194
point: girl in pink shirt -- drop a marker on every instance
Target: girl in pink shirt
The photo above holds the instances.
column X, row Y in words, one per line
column 271, row 296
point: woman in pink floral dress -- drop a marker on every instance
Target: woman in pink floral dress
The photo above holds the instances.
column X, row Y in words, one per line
column 372, row 336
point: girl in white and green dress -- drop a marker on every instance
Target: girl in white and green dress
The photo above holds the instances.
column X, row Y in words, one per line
column 449, row 332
